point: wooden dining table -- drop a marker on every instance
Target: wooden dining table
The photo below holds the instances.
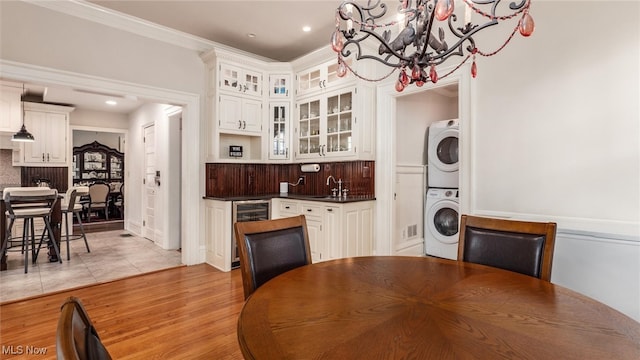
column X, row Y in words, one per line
column 394, row 307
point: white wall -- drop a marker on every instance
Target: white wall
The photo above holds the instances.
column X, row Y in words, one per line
column 556, row 120
column 555, row 137
column 39, row 36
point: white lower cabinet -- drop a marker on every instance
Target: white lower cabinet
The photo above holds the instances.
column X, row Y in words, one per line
column 336, row 230
column 218, row 233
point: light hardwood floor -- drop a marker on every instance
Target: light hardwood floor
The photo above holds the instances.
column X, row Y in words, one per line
column 180, row 313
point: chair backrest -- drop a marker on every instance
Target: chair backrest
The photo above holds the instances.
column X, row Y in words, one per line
column 71, row 196
column 76, row 338
column 98, row 192
column 269, row 248
column 25, row 197
column 521, row 246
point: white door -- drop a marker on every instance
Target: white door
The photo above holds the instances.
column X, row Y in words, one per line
column 149, row 193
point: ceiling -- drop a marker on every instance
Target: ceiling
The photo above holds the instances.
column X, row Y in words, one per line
column 276, row 26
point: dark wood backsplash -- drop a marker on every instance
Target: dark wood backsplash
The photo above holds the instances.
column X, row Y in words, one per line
column 58, row 176
column 224, row 180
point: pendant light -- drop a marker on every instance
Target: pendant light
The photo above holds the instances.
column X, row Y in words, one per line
column 23, row 135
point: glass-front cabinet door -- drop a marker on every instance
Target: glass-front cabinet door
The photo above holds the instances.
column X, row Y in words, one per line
column 240, row 80
column 279, row 85
column 339, row 123
column 279, row 130
column 309, row 128
column 325, row 126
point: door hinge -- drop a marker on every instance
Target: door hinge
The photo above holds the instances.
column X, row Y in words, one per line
column 144, row 181
column 144, row 223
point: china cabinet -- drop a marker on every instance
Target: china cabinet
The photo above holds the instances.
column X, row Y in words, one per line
column 97, row 162
column 49, row 125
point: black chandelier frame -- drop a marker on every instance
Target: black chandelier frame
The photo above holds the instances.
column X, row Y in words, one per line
column 429, row 50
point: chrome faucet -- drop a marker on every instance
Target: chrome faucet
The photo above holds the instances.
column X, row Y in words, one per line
column 339, row 182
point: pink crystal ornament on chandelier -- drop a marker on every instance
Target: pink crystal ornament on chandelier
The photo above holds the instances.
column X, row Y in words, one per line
column 424, row 34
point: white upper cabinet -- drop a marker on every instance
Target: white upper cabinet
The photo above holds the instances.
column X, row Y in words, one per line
column 240, row 114
column 280, row 86
column 239, row 80
column 10, row 108
column 49, row 125
column 335, row 125
column 320, row 78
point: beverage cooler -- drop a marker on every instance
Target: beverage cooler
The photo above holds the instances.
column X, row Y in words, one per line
column 247, row 210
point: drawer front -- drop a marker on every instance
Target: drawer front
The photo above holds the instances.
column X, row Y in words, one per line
column 312, row 211
column 289, row 208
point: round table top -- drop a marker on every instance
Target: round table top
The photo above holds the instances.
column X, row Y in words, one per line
column 427, row 308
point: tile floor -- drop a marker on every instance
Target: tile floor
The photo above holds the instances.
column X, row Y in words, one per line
column 112, row 256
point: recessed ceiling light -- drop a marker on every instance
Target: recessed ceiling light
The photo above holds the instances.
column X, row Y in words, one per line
column 111, row 102
column 251, row 35
column 306, row 28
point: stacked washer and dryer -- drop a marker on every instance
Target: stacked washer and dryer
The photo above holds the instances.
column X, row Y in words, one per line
column 441, row 200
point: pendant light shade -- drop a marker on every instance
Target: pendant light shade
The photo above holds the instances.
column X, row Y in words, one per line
column 23, row 135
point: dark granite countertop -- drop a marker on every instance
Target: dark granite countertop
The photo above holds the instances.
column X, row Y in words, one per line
column 322, row 198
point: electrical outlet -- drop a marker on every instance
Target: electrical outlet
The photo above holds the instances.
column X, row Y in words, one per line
column 302, row 180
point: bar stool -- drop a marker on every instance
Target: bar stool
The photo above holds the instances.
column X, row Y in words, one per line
column 70, row 206
column 28, row 204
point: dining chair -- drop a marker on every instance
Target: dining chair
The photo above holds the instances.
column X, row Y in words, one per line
column 98, row 199
column 269, row 248
column 525, row 247
column 29, row 203
column 76, row 337
column 70, row 205
column 119, row 203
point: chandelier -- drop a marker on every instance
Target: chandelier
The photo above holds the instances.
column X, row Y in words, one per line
column 429, row 34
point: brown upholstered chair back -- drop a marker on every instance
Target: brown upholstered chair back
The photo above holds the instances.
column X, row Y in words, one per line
column 269, row 248
column 76, row 337
column 520, row 246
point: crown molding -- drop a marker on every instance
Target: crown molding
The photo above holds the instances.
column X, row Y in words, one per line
column 98, row 14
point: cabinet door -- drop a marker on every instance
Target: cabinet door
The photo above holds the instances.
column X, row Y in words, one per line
column 316, row 240
column 229, row 78
column 56, row 144
column 339, row 124
column 10, row 109
column 36, row 123
column 332, row 231
column 252, row 115
column 230, row 112
column 310, row 80
column 251, row 83
column 308, row 129
column 279, row 131
column 279, row 85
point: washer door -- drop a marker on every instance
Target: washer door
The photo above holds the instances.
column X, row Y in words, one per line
column 443, row 150
column 443, row 221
